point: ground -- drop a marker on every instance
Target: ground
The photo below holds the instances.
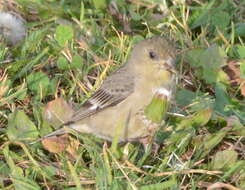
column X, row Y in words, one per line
column 71, row 45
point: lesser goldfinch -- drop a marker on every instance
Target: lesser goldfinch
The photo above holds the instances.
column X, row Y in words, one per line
column 116, row 108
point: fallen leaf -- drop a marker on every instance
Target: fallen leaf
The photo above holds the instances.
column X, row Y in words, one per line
column 233, row 71
column 224, row 159
column 236, row 126
column 56, row 144
column 61, row 144
column 58, row 112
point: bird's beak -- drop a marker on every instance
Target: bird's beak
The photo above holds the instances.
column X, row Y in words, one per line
column 169, row 65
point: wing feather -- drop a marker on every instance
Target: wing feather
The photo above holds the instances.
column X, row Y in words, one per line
column 108, row 95
column 97, row 102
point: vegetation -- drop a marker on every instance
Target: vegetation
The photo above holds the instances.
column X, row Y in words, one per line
column 72, row 45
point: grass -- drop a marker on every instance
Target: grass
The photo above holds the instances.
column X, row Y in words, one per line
column 72, row 46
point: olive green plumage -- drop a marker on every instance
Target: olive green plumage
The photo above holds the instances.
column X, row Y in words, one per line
column 118, row 106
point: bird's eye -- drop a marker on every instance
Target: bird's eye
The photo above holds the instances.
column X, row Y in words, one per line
column 152, row 55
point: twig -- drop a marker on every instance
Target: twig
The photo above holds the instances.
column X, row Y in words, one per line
column 222, row 185
column 190, row 171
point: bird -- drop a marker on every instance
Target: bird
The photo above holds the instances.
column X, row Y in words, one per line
column 116, row 108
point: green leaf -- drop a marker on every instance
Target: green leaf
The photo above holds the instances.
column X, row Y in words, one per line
column 100, row 4
column 77, row 62
column 242, row 69
column 224, row 159
column 62, row 63
column 212, row 140
column 202, row 102
column 202, row 16
column 49, row 170
column 20, row 127
column 211, row 15
column 134, row 15
column 222, row 99
column 38, row 83
column 23, row 93
column 198, row 119
column 240, row 29
column 63, row 34
column 207, row 63
column 157, row 109
column 241, row 51
column 220, row 19
column 211, row 61
column 185, row 97
column 193, row 57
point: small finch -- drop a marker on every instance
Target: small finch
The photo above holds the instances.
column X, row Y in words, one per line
column 117, row 107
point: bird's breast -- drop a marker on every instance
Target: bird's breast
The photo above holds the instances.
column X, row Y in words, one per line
column 121, row 119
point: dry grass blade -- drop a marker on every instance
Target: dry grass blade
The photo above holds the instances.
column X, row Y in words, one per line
column 190, row 171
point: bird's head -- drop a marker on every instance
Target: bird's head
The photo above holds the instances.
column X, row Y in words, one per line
column 155, row 53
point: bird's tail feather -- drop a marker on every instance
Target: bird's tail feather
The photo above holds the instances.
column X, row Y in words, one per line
column 55, row 133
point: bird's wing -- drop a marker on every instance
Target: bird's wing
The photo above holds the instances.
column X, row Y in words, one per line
column 113, row 91
column 97, row 102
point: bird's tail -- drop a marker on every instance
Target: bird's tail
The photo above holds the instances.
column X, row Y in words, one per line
column 55, row 133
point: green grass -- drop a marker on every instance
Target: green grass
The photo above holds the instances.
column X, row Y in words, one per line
column 72, row 45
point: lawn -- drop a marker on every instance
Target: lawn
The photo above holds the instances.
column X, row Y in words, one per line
column 72, row 45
